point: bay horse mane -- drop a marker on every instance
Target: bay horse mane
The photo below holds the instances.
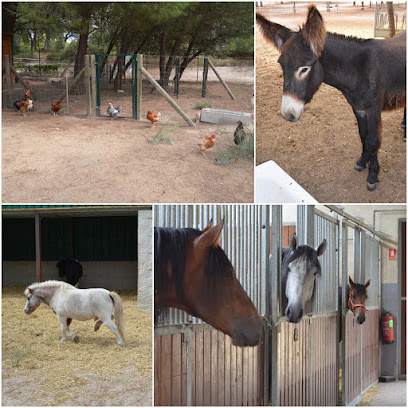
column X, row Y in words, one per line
column 170, row 248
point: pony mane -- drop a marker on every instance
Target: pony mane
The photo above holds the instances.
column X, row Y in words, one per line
column 37, row 285
column 170, row 248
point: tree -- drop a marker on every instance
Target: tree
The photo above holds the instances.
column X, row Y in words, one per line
column 391, row 20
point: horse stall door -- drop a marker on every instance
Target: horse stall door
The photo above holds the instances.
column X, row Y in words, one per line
column 194, row 363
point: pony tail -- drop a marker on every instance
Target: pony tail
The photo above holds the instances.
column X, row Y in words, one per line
column 118, row 306
column 314, row 30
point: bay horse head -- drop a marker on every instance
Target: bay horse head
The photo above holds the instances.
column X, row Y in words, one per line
column 300, row 265
column 357, row 297
column 193, row 273
column 300, row 51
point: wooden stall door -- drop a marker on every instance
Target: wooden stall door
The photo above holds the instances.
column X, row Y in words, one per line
column 403, row 341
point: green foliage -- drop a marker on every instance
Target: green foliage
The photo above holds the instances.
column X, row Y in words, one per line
column 232, row 154
column 163, row 135
column 17, row 356
column 201, row 105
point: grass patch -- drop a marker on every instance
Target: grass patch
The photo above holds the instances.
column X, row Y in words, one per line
column 233, row 153
column 163, row 135
column 17, row 356
column 201, row 105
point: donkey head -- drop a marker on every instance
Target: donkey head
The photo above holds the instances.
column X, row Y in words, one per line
column 299, row 59
column 300, row 266
column 357, row 299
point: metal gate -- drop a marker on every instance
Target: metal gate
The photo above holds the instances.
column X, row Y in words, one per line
column 361, row 343
column 304, row 366
column 194, row 363
column 116, row 82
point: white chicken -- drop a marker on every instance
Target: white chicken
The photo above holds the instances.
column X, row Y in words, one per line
column 113, row 112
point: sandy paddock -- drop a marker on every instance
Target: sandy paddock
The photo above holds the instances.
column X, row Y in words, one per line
column 40, row 370
column 71, row 159
column 319, row 151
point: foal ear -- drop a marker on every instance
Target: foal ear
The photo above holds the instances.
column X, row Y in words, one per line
column 321, row 248
column 314, row 31
column 273, row 32
column 367, row 284
column 293, row 242
column 352, row 285
column 210, row 237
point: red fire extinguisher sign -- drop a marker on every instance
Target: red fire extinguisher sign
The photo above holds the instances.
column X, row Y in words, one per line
column 392, row 254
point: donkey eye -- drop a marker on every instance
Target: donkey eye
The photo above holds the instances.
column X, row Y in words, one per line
column 302, row 72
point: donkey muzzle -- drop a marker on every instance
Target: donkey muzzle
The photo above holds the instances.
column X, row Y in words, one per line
column 291, row 107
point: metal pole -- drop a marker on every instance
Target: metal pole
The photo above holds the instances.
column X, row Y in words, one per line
column 139, row 86
column 205, row 76
column 38, row 272
column 344, row 266
column 93, row 86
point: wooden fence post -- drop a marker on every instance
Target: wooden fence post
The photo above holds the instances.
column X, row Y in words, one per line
column 93, row 86
column 24, row 83
column 73, row 83
column 221, row 80
column 87, row 81
column 139, row 86
column 8, row 78
column 205, row 76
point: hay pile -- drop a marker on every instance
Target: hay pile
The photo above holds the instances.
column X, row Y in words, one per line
column 32, row 349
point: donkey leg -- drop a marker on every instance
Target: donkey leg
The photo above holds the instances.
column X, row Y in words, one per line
column 115, row 331
column 373, row 143
column 361, row 117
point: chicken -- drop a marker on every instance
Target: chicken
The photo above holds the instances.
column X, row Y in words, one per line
column 17, row 104
column 56, row 107
column 153, row 117
column 24, row 105
column 30, row 105
column 113, row 112
column 239, row 134
column 206, row 143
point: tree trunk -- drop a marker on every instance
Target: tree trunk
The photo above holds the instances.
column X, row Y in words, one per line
column 162, row 60
column 391, row 20
column 86, row 12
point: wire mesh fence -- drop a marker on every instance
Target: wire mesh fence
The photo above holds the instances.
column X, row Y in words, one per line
column 191, row 85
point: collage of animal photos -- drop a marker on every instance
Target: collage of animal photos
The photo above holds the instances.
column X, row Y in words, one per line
column 203, row 203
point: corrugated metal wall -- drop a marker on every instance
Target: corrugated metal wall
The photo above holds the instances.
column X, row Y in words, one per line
column 195, row 364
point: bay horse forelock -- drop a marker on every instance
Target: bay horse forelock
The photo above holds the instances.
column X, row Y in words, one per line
column 371, row 74
column 206, row 286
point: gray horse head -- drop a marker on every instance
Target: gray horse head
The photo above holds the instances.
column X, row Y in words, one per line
column 300, row 265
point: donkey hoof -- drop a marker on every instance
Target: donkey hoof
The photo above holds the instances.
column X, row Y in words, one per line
column 76, row 339
column 359, row 167
column 371, row 187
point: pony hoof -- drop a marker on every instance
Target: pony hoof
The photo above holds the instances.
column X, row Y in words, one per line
column 359, row 167
column 76, row 339
column 371, row 187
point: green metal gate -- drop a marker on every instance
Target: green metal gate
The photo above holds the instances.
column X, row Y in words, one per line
column 116, row 82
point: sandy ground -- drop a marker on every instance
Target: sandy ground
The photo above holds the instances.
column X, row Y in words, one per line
column 40, row 370
column 71, row 159
column 320, row 150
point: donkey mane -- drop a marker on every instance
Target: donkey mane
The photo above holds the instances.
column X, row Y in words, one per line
column 350, row 38
column 170, row 248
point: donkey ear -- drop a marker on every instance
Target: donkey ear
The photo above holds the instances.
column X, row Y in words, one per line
column 321, row 248
column 211, row 236
column 314, row 31
column 367, row 284
column 293, row 242
column 273, row 32
column 351, row 283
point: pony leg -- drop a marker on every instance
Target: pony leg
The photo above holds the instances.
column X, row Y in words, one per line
column 361, row 117
column 64, row 326
column 99, row 323
column 115, row 331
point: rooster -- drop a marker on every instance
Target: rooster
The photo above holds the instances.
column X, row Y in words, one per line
column 113, row 112
column 206, row 143
column 17, row 104
column 56, row 107
column 239, row 134
column 153, row 117
column 24, row 105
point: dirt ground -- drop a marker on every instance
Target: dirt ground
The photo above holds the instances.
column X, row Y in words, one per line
column 71, row 159
column 40, row 370
column 320, row 150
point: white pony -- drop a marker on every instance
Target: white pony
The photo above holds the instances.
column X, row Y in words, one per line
column 68, row 303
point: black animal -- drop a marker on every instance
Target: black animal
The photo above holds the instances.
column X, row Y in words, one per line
column 369, row 73
column 71, row 269
column 239, row 134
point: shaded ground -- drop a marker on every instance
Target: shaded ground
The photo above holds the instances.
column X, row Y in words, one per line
column 40, row 370
column 72, row 159
column 320, row 150
column 392, row 394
